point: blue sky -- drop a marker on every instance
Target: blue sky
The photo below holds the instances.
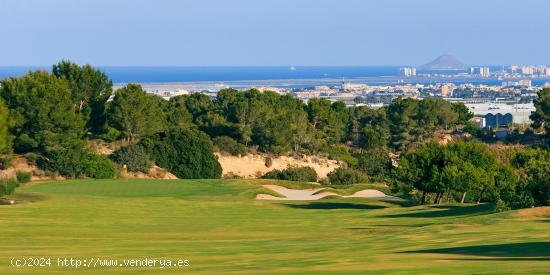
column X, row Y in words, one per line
column 278, row 32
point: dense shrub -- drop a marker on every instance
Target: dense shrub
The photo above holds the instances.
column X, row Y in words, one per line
column 306, row 174
column 134, row 157
column 341, row 152
column 23, row 177
column 7, row 187
column 229, row 145
column 76, row 162
column 345, row 176
column 186, row 153
column 5, row 161
column 375, row 162
column 98, row 167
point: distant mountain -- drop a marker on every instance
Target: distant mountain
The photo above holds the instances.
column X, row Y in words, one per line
column 445, row 62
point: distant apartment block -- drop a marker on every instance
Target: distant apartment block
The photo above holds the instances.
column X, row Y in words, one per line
column 481, row 71
column 409, row 71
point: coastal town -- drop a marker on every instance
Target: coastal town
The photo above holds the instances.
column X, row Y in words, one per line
column 498, row 98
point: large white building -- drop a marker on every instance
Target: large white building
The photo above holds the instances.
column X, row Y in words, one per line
column 409, row 71
column 520, row 112
column 482, row 71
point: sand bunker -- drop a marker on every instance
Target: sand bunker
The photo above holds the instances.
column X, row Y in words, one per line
column 315, row 194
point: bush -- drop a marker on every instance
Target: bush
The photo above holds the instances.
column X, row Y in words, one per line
column 306, row 174
column 374, row 162
column 111, row 134
column 76, row 162
column 345, row 176
column 32, row 158
column 7, row 187
column 5, row 161
column 98, row 167
column 341, row 153
column 229, row 145
column 23, row 177
column 134, row 157
column 186, row 153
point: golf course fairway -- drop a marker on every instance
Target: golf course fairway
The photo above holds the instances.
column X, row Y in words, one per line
column 218, row 227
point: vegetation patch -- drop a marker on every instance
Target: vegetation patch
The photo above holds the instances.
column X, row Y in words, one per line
column 304, row 174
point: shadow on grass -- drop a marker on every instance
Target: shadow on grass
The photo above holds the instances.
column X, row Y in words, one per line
column 400, row 202
column 334, row 205
column 448, row 210
column 531, row 251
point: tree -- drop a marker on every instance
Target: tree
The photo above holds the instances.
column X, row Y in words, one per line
column 134, row 157
column 90, row 90
column 374, row 162
column 412, row 120
column 187, row 153
column 323, row 118
column 229, row 145
column 541, row 116
column 135, row 114
column 402, row 115
column 368, row 128
column 421, row 167
column 42, row 112
column 485, row 163
column 198, row 104
column 4, row 133
column 177, row 113
column 464, row 114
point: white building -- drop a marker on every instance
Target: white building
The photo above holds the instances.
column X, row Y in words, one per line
column 482, row 71
column 409, row 71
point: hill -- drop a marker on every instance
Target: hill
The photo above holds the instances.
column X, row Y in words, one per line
column 444, row 62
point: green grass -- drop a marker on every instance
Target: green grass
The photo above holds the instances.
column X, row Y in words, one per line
column 220, row 229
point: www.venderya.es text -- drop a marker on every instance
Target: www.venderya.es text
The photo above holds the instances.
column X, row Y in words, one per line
column 93, row 262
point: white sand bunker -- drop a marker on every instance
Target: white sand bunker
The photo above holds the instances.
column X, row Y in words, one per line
column 315, row 194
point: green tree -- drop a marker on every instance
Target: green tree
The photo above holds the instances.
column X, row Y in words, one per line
column 422, row 168
column 177, row 113
column 229, row 145
column 187, row 153
column 134, row 157
column 42, row 112
column 323, row 118
column 375, row 162
column 464, row 114
column 90, row 90
column 402, row 114
column 4, row 133
column 135, row 114
column 541, row 116
column 368, row 128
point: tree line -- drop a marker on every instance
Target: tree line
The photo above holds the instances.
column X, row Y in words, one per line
column 51, row 111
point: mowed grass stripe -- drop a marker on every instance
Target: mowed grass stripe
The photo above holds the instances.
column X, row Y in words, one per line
column 219, row 229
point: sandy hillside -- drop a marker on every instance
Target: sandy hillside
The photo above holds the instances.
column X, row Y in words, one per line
column 252, row 165
column 20, row 163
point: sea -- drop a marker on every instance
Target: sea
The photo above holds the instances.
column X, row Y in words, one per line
column 274, row 76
